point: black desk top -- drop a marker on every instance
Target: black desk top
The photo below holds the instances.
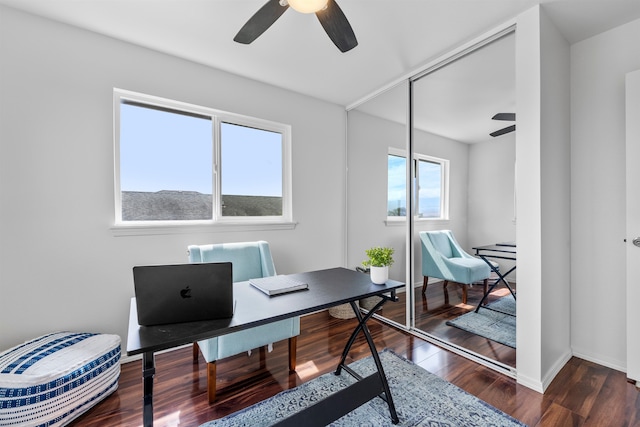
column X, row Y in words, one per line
column 327, row 288
column 499, row 247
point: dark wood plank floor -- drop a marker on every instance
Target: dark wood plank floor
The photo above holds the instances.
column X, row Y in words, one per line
column 434, row 308
column 583, row 393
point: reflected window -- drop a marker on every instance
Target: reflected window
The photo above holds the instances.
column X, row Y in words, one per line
column 429, row 185
column 396, row 186
column 430, row 182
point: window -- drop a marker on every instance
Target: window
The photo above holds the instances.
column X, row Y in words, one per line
column 251, row 171
column 430, row 184
column 181, row 163
column 397, row 188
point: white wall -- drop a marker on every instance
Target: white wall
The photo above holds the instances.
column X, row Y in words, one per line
column 598, row 68
column 543, row 223
column 369, row 139
column 491, row 194
column 61, row 268
column 555, row 177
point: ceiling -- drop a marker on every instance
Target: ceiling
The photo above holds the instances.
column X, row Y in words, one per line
column 395, row 37
column 459, row 99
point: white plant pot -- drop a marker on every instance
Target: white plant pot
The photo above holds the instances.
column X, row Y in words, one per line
column 379, row 275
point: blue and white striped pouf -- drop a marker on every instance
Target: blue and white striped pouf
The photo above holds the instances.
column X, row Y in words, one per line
column 55, row 378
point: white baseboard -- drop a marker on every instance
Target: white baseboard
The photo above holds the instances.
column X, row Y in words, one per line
column 617, row 365
column 531, row 383
column 555, row 369
column 541, row 385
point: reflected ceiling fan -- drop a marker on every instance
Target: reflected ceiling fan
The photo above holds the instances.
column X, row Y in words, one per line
column 329, row 14
column 509, row 117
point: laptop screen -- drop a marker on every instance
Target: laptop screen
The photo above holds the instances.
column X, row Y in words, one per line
column 183, row 292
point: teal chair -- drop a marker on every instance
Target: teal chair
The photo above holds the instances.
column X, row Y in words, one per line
column 443, row 258
column 250, row 260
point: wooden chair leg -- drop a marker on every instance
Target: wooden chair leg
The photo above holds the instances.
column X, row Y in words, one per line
column 425, row 280
column 263, row 356
column 293, row 346
column 196, row 352
column 464, row 293
column 211, row 381
column 446, row 291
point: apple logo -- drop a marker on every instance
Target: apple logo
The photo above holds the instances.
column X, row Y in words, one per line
column 186, row 292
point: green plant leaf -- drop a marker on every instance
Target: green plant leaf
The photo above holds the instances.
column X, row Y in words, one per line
column 379, row 257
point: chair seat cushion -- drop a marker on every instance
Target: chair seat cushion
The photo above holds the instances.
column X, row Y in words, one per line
column 55, row 378
column 468, row 270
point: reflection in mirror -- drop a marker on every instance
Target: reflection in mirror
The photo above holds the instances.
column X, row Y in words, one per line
column 452, row 116
column 376, row 184
column 462, row 180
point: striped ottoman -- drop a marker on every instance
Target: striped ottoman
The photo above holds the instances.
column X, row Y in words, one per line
column 55, row 378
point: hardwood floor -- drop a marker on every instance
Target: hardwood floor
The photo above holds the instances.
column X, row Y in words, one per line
column 583, row 393
column 436, row 307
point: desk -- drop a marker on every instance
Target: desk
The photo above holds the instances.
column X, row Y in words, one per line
column 500, row 251
column 327, row 288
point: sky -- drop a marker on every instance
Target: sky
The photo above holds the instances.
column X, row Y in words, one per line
column 160, row 150
column 430, row 186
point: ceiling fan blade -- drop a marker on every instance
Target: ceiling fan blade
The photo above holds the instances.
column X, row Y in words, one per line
column 260, row 21
column 337, row 26
column 503, row 131
column 510, row 117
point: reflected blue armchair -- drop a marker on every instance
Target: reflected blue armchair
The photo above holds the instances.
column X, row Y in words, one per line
column 443, row 258
column 250, row 260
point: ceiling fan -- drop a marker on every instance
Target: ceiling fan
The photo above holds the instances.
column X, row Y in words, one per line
column 329, row 14
column 509, row 117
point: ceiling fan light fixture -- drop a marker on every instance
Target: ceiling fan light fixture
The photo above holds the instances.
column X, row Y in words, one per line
column 331, row 17
column 308, row 6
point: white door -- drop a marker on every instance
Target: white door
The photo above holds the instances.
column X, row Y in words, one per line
column 633, row 224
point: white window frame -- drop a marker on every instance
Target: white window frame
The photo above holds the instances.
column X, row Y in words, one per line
column 217, row 221
column 444, row 185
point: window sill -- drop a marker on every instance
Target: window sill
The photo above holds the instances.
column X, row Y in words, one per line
column 120, row 230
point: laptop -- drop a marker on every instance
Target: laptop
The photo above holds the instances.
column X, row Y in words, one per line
column 183, row 292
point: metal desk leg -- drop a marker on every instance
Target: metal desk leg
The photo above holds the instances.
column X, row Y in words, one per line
column 362, row 326
column 356, row 331
column 148, row 372
column 501, row 278
column 376, row 358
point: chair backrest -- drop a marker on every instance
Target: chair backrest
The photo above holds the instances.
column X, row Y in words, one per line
column 441, row 242
column 432, row 264
column 437, row 245
column 250, row 259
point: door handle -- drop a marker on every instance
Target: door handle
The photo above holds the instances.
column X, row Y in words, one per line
column 636, row 241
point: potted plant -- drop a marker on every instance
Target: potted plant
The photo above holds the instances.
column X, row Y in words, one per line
column 380, row 258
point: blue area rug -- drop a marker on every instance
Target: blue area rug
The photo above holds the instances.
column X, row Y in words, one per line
column 421, row 399
column 495, row 321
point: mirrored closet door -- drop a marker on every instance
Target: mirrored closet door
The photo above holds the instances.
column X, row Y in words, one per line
column 461, row 178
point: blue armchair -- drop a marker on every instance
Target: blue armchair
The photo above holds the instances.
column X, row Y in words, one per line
column 443, row 258
column 250, row 260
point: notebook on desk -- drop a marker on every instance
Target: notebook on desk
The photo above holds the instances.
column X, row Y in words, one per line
column 276, row 285
column 183, row 292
